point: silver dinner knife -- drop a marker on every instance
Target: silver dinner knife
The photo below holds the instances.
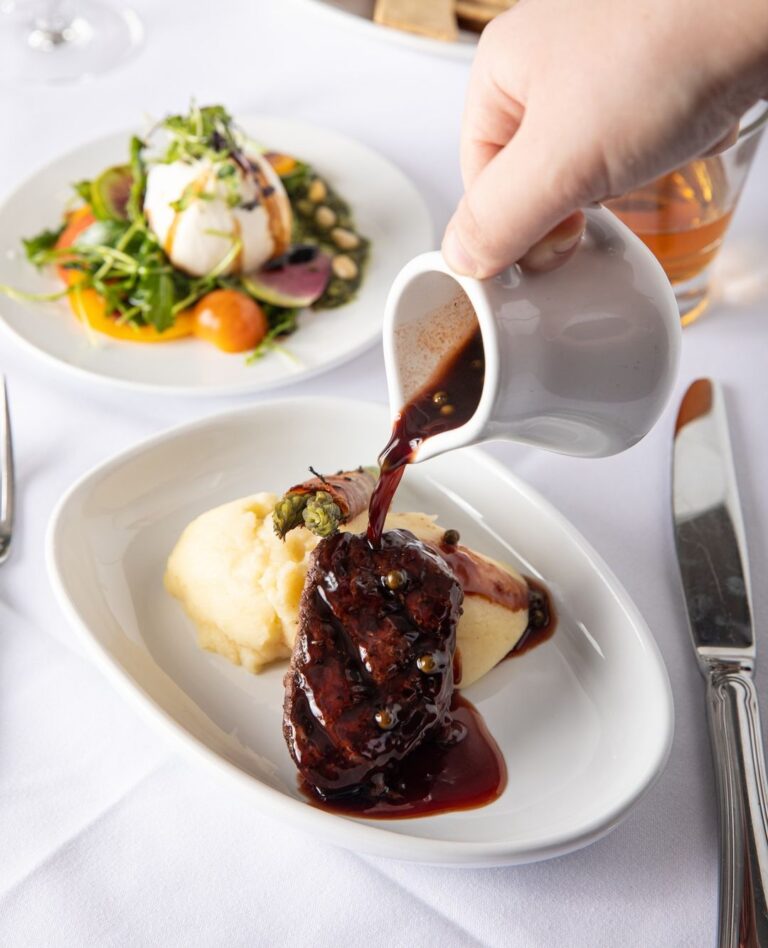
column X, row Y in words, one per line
column 712, row 555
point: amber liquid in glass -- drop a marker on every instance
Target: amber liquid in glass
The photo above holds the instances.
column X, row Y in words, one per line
column 682, row 217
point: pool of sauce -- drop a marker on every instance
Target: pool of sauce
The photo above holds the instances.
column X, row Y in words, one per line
column 461, row 773
column 542, row 619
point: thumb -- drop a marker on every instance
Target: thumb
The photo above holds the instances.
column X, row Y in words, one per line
column 521, row 195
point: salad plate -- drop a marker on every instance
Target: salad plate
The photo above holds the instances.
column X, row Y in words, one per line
column 584, row 720
column 388, row 210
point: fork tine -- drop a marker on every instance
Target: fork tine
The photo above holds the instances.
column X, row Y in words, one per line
column 6, row 472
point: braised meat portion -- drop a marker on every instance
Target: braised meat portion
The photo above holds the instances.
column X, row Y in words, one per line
column 372, row 669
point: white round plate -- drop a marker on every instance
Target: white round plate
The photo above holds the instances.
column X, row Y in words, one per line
column 584, row 720
column 357, row 15
column 388, row 209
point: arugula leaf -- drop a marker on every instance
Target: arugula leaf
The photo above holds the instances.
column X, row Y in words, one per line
column 283, row 322
column 38, row 248
column 155, row 296
column 135, row 207
column 112, row 290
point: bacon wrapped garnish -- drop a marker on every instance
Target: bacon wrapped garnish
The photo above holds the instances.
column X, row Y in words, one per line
column 323, row 503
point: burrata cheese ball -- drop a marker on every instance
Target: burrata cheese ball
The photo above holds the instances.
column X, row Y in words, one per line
column 231, row 216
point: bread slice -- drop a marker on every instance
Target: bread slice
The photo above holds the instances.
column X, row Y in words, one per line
column 477, row 14
column 433, row 18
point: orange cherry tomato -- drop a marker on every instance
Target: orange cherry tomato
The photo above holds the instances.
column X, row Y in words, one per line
column 230, row 320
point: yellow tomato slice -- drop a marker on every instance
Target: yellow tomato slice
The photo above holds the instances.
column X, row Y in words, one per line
column 88, row 306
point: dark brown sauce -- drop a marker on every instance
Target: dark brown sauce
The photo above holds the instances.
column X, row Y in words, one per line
column 447, row 401
column 481, row 577
column 542, row 619
column 460, row 774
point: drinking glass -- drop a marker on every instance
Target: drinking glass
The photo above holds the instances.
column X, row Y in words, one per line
column 683, row 216
column 61, row 40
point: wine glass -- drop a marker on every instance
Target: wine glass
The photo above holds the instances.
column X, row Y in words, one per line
column 61, row 40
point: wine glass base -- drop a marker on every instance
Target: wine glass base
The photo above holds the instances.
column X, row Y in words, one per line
column 692, row 297
column 98, row 38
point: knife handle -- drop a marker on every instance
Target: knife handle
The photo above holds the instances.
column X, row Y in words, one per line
column 737, row 748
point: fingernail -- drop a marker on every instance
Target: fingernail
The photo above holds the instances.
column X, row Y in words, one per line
column 564, row 246
column 455, row 255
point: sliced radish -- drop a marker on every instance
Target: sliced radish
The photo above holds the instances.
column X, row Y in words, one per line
column 296, row 279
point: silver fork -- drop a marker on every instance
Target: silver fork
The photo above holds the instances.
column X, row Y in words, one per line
column 6, row 475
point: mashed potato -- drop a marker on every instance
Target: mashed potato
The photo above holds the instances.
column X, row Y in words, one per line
column 241, row 586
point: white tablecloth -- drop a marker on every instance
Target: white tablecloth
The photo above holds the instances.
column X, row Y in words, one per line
column 106, row 837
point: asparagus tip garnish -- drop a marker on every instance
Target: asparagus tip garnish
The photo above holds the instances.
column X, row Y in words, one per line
column 288, row 513
column 321, row 514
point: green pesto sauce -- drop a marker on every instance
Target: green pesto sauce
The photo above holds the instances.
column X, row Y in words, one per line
column 306, row 230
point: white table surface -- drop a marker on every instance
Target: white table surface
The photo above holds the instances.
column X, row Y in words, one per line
column 106, row 837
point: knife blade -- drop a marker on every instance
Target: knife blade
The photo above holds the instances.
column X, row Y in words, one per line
column 712, row 556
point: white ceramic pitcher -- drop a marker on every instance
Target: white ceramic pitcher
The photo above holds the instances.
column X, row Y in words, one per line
column 580, row 360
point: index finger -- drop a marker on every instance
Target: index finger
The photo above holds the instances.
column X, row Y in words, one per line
column 492, row 110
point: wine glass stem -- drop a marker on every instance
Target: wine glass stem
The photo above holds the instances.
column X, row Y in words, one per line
column 52, row 22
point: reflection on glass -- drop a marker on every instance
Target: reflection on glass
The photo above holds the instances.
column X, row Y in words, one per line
column 64, row 40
